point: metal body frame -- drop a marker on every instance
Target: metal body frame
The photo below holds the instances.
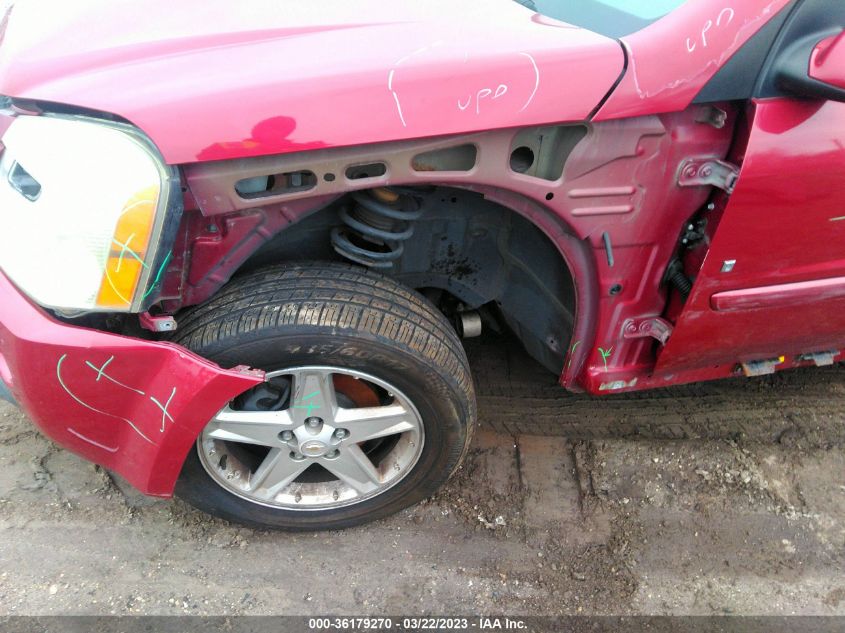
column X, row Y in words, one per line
column 609, row 192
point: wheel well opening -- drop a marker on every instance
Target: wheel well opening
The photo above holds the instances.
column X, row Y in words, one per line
column 466, row 254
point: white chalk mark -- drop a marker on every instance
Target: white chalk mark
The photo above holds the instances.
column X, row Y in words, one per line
column 123, row 253
column 399, row 109
column 395, row 96
column 88, row 406
column 707, row 26
column 163, row 407
column 726, row 16
column 110, row 449
column 838, row 218
column 100, row 370
column 113, row 287
column 536, row 81
column 730, row 19
column 501, row 89
column 408, row 57
column 135, row 204
column 392, row 73
column 102, row 374
column 125, row 249
column 482, row 94
column 419, row 51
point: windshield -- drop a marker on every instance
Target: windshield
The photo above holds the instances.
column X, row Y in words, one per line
column 613, row 18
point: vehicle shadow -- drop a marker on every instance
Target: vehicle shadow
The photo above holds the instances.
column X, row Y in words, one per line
column 517, row 396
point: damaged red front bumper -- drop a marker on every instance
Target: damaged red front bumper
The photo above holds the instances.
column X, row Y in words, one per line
column 133, row 406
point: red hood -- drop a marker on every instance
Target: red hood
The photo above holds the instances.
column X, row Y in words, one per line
column 215, row 79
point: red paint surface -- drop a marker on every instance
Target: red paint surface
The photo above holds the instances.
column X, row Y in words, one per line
column 643, row 240
column 626, row 164
column 783, row 226
column 119, row 426
column 827, row 63
column 209, row 79
column 780, row 296
column 670, row 61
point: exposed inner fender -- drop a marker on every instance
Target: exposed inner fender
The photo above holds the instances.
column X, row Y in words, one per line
column 606, row 195
column 476, row 250
column 581, row 266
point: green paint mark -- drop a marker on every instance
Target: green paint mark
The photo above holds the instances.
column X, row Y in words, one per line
column 158, row 275
column 125, row 249
column 122, row 253
column 605, row 354
column 571, row 352
column 310, row 406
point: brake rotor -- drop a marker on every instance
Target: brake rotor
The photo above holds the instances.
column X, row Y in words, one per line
column 358, row 391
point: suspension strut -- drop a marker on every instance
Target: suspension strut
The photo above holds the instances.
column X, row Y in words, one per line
column 376, row 225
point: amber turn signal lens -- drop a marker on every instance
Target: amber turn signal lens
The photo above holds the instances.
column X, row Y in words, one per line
column 127, row 258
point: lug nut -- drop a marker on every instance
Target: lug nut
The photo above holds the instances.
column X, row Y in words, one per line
column 341, row 433
column 313, row 423
column 296, row 456
column 286, row 436
column 333, row 454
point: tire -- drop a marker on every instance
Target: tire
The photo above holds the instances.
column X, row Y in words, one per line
column 347, row 322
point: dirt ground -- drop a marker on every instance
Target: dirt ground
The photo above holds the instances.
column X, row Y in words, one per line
column 727, row 498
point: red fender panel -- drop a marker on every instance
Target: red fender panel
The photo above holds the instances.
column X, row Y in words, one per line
column 130, row 405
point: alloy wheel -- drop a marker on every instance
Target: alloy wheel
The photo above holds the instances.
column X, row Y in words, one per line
column 313, row 438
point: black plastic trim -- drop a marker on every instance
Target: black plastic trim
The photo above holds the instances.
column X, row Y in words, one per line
column 625, row 61
column 791, row 70
column 737, row 79
column 167, row 239
column 810, row 22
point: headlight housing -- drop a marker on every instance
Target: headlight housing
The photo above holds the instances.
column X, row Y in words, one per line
column 84, row 207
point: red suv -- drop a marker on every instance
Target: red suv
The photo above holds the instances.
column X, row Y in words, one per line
column 241, row 243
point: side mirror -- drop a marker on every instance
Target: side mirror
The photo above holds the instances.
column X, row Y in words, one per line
column 814, row 67
column 827, row 62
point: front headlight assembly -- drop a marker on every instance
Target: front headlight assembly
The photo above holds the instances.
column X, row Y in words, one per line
column 87, row 208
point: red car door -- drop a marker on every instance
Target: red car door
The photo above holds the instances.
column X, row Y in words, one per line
column 772, row 286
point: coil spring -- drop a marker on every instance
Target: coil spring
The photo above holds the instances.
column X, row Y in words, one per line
column 682, row 283
column 376, row 226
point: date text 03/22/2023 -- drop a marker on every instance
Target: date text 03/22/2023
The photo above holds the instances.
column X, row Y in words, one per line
column 418, row 624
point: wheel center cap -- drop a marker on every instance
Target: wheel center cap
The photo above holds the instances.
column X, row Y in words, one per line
column 313, row 448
